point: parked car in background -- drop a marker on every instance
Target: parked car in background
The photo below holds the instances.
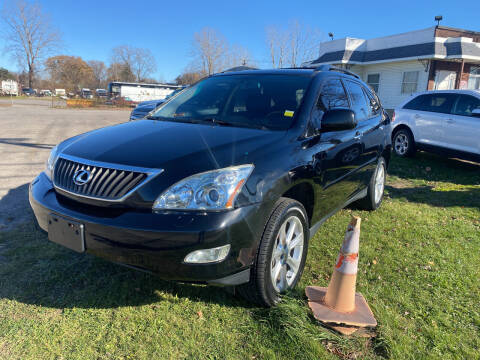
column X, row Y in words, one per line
column 226, row 182
column 86, row 93
column 445, row 122
column 29, row 92
column 143, row 108
column 101, row 93
column 44, row 92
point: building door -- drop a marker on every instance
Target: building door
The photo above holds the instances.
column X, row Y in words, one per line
column 445, row 80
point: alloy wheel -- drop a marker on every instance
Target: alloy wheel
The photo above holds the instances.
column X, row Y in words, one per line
column 287, row 254
column 379, row 182
column 401, row 144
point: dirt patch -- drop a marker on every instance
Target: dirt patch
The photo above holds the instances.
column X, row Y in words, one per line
column 399, row 184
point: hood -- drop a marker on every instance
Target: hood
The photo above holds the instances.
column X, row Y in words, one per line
column 172, row 145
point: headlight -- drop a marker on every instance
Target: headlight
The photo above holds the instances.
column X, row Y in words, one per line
column 211, row 190
column 51, row 162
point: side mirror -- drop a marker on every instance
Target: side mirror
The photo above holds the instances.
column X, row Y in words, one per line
column 338, row 120
column 476, row 112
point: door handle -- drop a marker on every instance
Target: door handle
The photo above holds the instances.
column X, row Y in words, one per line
column 450, row 121
column 416, row 116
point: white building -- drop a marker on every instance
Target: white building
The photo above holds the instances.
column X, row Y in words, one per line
column 138, row 92
column 9, row 87
column 398, row 65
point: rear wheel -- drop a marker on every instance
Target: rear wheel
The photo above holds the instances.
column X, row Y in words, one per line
column 403, row 143
column 281, row 255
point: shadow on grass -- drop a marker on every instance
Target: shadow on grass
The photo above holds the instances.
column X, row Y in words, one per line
column 34, row 270
column 427, row 195
column 440, row 169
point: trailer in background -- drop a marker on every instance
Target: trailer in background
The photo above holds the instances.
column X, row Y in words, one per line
column 138, row 92
column 60, row 92
column 9, row 87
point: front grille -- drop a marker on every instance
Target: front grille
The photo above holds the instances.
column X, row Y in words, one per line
column 107, row 182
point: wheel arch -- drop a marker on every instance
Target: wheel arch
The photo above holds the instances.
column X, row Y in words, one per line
column 402, row 127
column 303, row 193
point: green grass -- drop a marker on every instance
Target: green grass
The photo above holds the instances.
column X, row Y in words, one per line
column 419, row 270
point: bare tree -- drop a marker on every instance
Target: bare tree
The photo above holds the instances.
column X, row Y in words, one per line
column 303, row 43
column 141, row 62
column 119, row 72
column 239, row 56
column 277, row 42
column 29, row 35
column 210, row 50
column 99, row 71
column 293, row 45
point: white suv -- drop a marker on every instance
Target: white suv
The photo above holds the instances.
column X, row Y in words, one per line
column 446, row 122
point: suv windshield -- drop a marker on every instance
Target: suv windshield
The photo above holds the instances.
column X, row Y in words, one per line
column 264, row 101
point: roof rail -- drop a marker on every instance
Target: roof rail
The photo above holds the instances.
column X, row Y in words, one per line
column 331, row 68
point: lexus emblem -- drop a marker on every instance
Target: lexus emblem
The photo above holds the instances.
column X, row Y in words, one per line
column 81, row 177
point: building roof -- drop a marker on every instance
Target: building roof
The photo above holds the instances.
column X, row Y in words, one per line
column 419, row 44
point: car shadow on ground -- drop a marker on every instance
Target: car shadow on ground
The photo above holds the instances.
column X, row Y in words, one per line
column 467, row 197
column 431, row 167
column 35, row 271
column 435, row 180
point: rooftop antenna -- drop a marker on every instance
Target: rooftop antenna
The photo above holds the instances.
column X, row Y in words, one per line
column 331, row 35
column 438, row 18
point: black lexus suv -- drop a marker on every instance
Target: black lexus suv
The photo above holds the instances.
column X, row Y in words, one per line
column 225, row 183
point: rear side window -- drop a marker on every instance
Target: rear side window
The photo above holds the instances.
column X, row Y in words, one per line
column 375, row 107
column 332, row 96
column 465, row 105
column 360, row 104
column 418, row 103
column 439, row 103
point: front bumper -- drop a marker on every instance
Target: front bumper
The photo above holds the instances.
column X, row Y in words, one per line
column 159, row 242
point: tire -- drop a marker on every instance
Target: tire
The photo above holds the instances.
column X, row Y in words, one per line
column 273, row 257
column 376, row 187
column 403, row 143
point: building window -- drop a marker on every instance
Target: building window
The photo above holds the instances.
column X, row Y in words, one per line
column 410, row 82
column 373, row 80
column 474, row 79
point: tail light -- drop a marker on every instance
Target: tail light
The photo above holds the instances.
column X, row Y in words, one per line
column 393, row 116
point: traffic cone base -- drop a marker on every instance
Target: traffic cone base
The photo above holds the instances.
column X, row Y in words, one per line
column 360, row 316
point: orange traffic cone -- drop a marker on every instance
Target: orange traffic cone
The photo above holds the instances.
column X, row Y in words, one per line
column 338, row 306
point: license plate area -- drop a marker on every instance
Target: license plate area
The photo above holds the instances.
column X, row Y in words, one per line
column 66, row 232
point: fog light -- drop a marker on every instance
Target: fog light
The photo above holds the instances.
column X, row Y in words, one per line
column 208, row 255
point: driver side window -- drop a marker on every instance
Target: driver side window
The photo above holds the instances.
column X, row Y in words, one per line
column 332, row 96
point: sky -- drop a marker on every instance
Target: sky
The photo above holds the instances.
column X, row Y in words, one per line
column 90, row 29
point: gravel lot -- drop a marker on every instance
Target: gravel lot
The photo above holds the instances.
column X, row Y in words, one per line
column 29, row 129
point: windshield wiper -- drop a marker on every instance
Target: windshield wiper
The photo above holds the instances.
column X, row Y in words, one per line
column 218, row 121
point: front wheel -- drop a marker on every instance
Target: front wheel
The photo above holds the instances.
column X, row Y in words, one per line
column 281, row 255
column 375, row 188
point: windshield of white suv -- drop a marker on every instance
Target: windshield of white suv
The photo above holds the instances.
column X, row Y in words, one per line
column 265, row 101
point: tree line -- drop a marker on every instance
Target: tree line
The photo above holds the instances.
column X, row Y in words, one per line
column 36, row 46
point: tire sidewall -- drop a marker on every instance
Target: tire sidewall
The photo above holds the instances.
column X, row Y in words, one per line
column 381, row 162
column 297, row 210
